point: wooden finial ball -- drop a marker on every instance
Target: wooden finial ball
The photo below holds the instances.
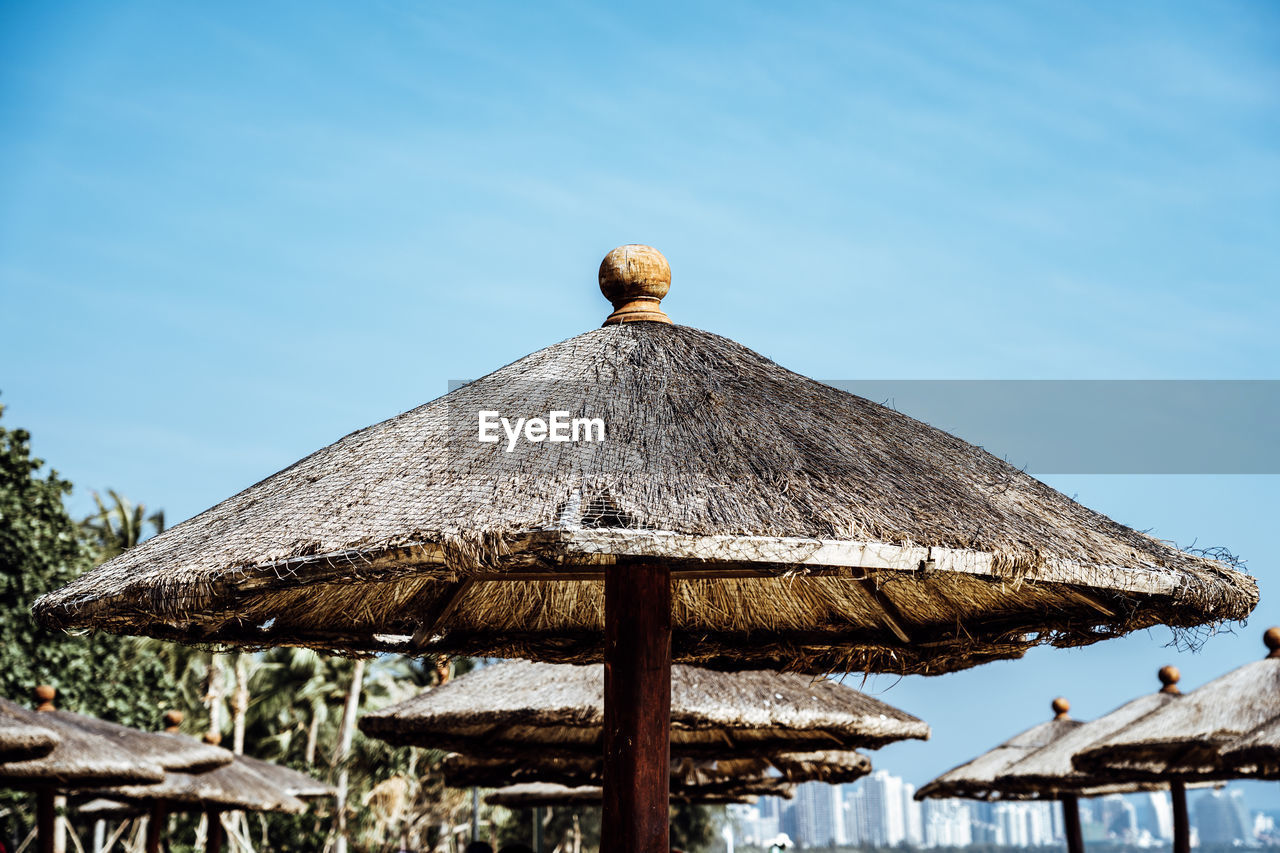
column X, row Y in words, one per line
column 44, row 697
column 1272, row 640
column 212, row 738
column 634, row 278
column 173, row 718
column 1169, row 677
column 1060, row 707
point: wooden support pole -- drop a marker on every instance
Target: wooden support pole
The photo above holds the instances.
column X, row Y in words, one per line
column 213, row 833
column 1181, row 826
column 155, row 827
column 45, row 818
column 637, row 707
column 1071, row 823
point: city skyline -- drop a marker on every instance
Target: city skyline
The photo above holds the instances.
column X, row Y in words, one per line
column 879, row 810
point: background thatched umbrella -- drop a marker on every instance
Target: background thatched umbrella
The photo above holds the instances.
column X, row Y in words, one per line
column 81, row 758
column 20, row 740
column 760, row 514
column 523, row 708
column 1257, row 754
column 528, row 795
column 984, row 778
column 1184, row 739
column 290, row 781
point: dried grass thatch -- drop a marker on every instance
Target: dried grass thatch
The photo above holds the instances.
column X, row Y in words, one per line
column 290, row 781
column 1048, row 772
column 539, row 794
column 833, row 767
column 807, row 528
column 990, row 776
column 79, row 759
column 1183, row 740
column 232, row 787
column 170, row 751
column 1257, row 754
column 519, row 707
column 21, row 741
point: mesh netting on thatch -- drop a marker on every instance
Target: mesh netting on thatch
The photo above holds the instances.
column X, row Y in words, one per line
column 21, row 740
column 1183, row 740
column 1257, row 754
column 518, row 707
column 79, row 759
column 235, row 786
column 806, row 528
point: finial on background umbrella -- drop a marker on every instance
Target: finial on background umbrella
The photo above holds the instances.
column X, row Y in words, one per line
column 635, row 278
column 1169, row 677
column 1272, row 640
column 173, row 720
column 44, row 697
column 212, row 738
column 1060, row 708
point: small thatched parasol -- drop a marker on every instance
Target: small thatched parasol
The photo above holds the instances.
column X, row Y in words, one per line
column 290, row 781
column 1183, row 740
column 81, row 758
column 1257, row 754
column 21, row 741
column 233, row 786
column 520, row 708
column 993, row 775
column 730, row 512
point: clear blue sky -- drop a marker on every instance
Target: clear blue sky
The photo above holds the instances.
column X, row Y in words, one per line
column 229, row 234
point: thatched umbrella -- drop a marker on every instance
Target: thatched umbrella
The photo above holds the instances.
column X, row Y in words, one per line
column 704, row 503
column 290, row 781
column 831, row 766
column 983, row 778
column 234, row 786
column 1257, row 754
column 528, row 795
column 81, row 758
column 522, row 708
column 20, row 741
column 1183, row 740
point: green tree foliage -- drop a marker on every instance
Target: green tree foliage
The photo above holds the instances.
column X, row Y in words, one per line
column 41, row 549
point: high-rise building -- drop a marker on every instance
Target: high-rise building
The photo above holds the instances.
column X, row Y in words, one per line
column 1221, row 818
column 1154, row 813
column 947, row 823
column 913, row 818
column 819, row 815
column 879, row 805
column 1120, row 818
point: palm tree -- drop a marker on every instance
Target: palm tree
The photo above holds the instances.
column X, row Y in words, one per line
column 119, row 525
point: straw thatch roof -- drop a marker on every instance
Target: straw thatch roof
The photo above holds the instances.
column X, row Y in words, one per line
column 170, row 751
column 80, row 758
column 1183, row 739
column 21, row 740
column 290, row 781
column 834, row 767
column 983, row 777
column 232, row 787
column 519, row 707
column 534, row 794
column 1257, row 754
column 103, row 809
column 806, row 528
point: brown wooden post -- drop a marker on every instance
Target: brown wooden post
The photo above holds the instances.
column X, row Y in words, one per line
column 45, row 817
column 214, row 835
column 155, row 827
column 637, row 707
column 1181, row 826
column 1071, row 823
